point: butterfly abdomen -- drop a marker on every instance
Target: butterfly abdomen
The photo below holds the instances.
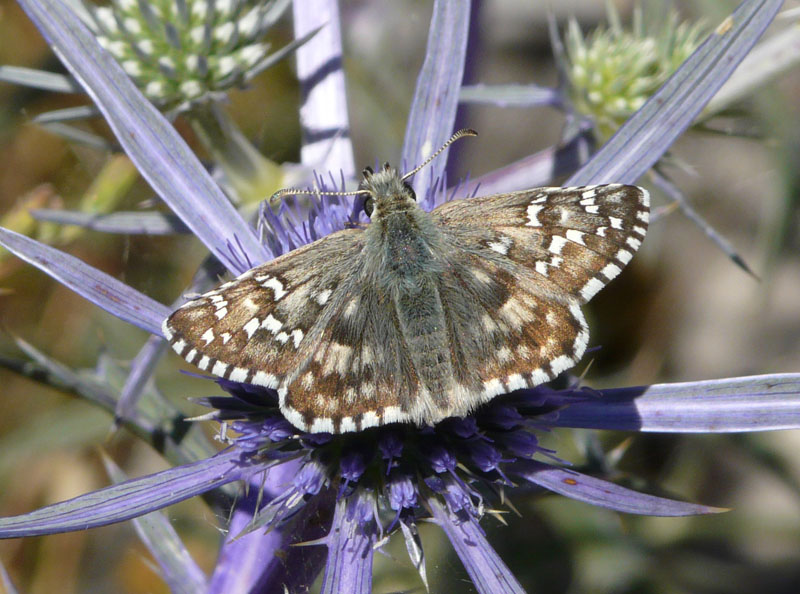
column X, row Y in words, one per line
column 422, row 322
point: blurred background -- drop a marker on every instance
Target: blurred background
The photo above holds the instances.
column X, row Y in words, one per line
column 681, row 311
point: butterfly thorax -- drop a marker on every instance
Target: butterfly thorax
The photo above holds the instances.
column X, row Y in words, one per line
column 402, row 244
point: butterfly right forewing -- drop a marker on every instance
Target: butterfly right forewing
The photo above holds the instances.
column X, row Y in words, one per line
column 522, row 263
column 577, row 238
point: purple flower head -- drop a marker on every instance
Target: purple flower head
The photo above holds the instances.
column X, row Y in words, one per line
column 341, row 495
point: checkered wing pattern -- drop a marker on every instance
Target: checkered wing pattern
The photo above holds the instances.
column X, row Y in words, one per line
column 486, row 300
column 527, row 261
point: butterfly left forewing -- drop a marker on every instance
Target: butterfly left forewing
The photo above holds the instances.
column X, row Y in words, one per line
column 258, row 327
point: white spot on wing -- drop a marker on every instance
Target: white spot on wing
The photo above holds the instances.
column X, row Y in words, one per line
column 297, row 337
column 178, row 346
column 516, row 382
column 393, row 414
column 370, row 419
column 272, row 324
column 575, row 236
column 616, row 223
column 611, row 270
column 262, row 378
column 624, row 256
column 561, row 363
column 591, row 288
column 322, row 299
column 493, row 388
column 293, row 416
column 633, row 242
column 557, row 243
column 538, row 376
column 225, row 336
column 533, row 211
column 251, row 327
column 502, row 245
column 208, row 336
column 221, row 313
column 277, row 287
column 239, row 374
column 347, row 423
column 219, row 368
column 643, row 215
column 203, row 363
column 594, row 209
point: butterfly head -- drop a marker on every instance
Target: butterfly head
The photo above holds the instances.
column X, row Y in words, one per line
column 386, row 192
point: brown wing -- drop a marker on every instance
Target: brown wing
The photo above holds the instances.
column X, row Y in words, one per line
column 519, row 266
column 258, row 327
column 310, row 326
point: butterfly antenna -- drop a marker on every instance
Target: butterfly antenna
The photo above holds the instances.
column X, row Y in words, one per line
column 274, row 199
column 460, row 134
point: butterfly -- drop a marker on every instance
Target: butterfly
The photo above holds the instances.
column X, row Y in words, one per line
column 418, row 316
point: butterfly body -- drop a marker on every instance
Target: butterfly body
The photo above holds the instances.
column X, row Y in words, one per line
column 419, row 316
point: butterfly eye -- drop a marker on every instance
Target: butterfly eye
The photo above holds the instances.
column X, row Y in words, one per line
column 367, row 173
column 368, row 206
column 411, row 191
column 386, row 166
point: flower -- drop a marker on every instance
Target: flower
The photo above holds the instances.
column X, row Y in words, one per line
column 346, row 493
column 183, row 53
column 614, row 71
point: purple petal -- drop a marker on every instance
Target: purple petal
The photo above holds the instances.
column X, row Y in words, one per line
column 350, row 541
column 261, row 560
column 510, row 95
column 101, row 289
column 130, row 499
column 755, row 403
column 178, row 569
column 539, row 169
column 142, row 368
column 484, row 566
column 646, row 136
column 433, row 109
column 129, row 223
column 39, row 79
column 603, row 493
column 323, row 115
column 149, row 140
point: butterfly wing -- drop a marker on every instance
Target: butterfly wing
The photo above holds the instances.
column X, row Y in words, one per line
column 519, row 267
column 309, row 325
column 257, row 328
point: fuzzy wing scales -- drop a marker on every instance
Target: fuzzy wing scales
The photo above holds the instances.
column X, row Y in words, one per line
column 520, row 265
column 257, row 328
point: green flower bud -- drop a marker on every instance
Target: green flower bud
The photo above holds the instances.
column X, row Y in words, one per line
column 613, row 72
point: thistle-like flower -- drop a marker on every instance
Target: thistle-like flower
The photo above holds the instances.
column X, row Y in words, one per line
column 345, row 493
column 613, row 71
column 182, row 52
